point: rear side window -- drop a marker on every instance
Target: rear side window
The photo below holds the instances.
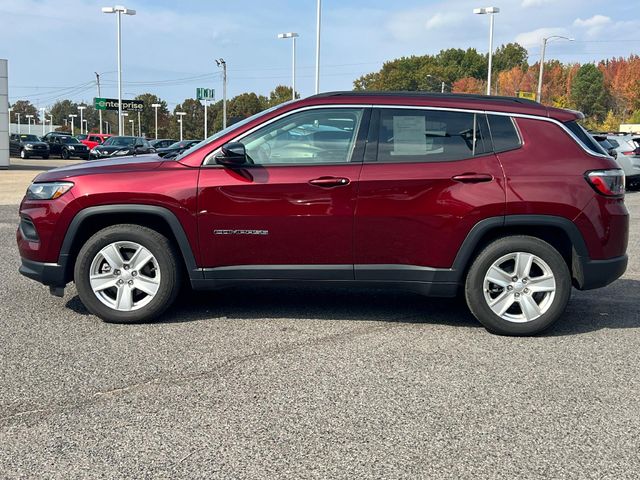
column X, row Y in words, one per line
column 503, row 133
column 584, row 137
column 614, row 143
column 407, row 135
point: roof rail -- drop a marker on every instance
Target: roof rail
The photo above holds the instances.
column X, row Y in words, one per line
column 461, row 96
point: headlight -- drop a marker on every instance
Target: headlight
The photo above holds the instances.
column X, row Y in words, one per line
column 121, row 152
column 48, row 191
column 29, row 146
column 71, row 147
column 93, row 150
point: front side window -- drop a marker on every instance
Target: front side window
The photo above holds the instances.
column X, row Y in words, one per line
column 309, row 137
column 407, row 135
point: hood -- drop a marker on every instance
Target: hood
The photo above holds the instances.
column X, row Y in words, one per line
column 34, row 142
column 112, row 148
column 111, row 165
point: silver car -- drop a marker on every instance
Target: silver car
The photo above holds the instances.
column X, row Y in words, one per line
column 628, row 148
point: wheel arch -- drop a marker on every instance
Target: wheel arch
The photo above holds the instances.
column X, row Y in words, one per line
column 559, row 232
column 92, row 219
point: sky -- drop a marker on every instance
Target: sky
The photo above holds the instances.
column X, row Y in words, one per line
column 169, row 47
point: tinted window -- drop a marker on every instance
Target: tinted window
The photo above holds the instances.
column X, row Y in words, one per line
column 120, row 141
column 69, row 140
column 29, row 138
column 503, row 133
column 614, row 143
column 584, row 137
column 430, row 135
column 314, row 136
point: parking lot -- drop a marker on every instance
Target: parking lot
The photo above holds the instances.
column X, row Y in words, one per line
column 272, row 383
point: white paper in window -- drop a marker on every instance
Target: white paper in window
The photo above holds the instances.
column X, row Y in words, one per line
column 409, row 135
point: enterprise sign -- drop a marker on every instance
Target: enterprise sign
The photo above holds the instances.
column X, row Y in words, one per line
column 112, row 104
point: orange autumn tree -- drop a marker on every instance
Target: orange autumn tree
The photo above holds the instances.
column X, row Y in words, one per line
column 469, row 85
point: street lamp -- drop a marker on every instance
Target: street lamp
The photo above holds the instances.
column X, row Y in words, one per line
column 85, row 123
column 488, row 11
column 72, row 116
column 133, row 128
column 442, row 84
column 180, row 115
column 292, row 36
column 50, row 123
column 81, row 108
column 156, row 106
column 29, row 117
column 318, row 17
column 44, row 118
column 222, row 64
column 108, row 125
column 19, row 129
column 119, row 9
column 544, row 48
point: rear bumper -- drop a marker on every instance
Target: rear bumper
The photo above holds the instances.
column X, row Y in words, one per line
column 590, row 274
column 50, row 274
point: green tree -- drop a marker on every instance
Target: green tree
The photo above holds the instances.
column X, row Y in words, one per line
column 279, row 95
column 245, row 105
column 508, row 56
column 61, row 110
column 588, row 92
column 24, row 108
column 148, row 116
column 192, row 122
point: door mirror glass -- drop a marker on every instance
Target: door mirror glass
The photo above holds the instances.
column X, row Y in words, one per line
column 233, row 153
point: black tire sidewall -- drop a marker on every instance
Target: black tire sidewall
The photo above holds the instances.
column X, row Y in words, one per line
column 474, row 288
column 157, row 244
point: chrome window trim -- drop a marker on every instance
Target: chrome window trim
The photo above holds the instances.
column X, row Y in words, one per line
column 415, row 107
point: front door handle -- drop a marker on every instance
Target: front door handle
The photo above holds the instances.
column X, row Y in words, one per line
column 328, row 182
column 471, row 177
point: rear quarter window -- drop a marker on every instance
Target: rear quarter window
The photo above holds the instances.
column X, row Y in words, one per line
column 585, row 138
column 503, row 133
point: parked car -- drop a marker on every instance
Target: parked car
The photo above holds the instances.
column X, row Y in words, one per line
column 628, row 149
column 27, row 145
column 503, row 199
column 162, row 143
column 67, row 146
column 92, row 140
column 118, row 146
column 176, row 148
column 606, row 145
column 47, row 137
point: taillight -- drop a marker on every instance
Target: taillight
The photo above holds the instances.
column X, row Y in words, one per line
column 607, row 182
column 632, row 152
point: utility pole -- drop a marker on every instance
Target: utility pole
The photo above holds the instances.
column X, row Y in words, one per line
column 318, row 18
column 221, row 63
column 542, row 53
column 139, row 126
column 99, row 111
column 205, row 118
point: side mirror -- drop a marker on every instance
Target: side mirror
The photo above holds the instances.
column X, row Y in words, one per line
column 232, row 154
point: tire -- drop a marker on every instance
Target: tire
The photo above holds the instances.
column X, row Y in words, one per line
column 24, row 155
column 45, row 157
column 163, row 271
column 544, row 292
column 65, row 154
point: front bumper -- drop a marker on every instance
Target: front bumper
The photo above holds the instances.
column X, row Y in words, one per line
column 50, row 274
column 590, row 274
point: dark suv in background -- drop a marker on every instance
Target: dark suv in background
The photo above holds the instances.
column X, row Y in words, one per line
column 504, row 200
column 27, row 145
column 119, row 146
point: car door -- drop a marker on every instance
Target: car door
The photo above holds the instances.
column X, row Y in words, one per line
column 54, row 145
column 13, row 144
column 288, row 214
column 429, row 176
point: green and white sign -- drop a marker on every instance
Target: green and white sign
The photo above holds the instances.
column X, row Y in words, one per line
column 112, row 104
column 205, row 94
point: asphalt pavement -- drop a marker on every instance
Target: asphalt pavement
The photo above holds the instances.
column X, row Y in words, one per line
column 294, row 383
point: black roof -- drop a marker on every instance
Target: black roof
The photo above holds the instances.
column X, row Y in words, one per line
column 460, row 96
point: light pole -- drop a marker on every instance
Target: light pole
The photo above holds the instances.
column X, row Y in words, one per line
column 180, row 115
column 50, row 123
column 99, row 111
column 139, row 125
column 222, row 64
column 44, row 118
column 156, row 106
column 491, row 11
column 72, row 116
column 133, row 128
column 29, row 117
column 442, row 82
column 124, row 114
column 85, row 123
column 108, row 126
column 81, row 108
column 119, row 10
column 318, row 18
column 292, row 36
column 19, row 129
column 544, row 48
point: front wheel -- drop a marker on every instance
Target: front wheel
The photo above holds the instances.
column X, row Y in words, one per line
column 24, row 154
column 518, row 285
column 65, row 154
column 127, row 274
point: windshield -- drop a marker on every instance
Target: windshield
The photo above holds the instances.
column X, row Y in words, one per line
column 119, row 141
column 69, row 140
column 29, row 138
column 230, row 128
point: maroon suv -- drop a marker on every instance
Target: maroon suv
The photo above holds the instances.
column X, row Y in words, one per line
column 504, row 199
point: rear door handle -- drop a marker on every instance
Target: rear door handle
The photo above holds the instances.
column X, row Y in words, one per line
column 328, row 182
column 470, row 177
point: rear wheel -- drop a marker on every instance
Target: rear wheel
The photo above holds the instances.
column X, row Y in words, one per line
column 127, row 274
column 518, row 285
